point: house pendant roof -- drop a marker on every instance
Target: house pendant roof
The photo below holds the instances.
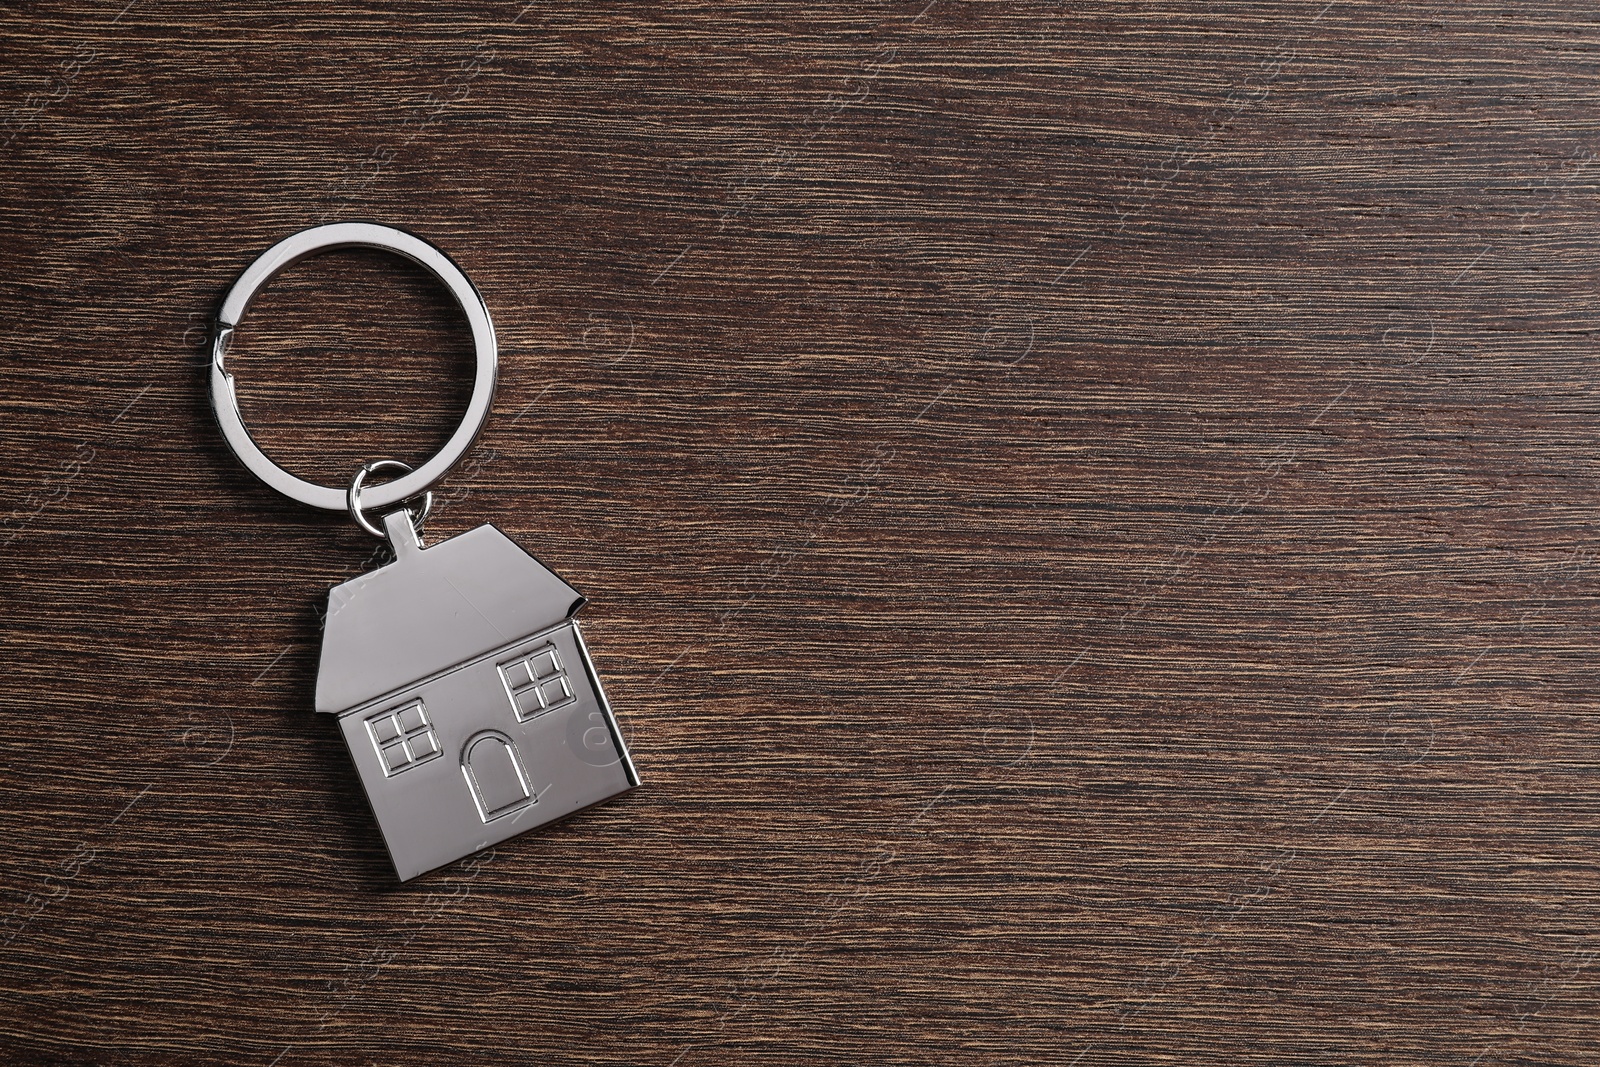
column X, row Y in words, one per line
column 432, row 609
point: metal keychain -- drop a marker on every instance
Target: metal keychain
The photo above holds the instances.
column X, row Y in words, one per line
column 461, row 681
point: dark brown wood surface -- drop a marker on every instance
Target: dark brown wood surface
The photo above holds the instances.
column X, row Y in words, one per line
column 1087, row 512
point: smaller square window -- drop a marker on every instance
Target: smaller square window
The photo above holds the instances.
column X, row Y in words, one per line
column 517, row 674
column 422, row 744
column 384, row 729
column 411, row 718
column 395, row 756
column 544, row 663
column 554, row 692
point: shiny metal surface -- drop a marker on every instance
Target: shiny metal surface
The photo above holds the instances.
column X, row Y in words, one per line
column 478, row 775
column 431, row 609
column 466, row 696
column 224, row 399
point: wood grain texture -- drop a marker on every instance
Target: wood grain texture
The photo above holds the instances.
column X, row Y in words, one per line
column 1086, row 510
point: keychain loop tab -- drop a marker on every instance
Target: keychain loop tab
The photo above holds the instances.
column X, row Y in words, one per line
column 225, row 402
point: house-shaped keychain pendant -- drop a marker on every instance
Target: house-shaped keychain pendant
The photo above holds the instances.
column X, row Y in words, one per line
column 466, row 696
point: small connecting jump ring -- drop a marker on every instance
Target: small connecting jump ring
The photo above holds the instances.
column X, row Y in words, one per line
column 353, row 497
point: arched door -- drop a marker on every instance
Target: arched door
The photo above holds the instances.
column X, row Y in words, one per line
column 494, row 774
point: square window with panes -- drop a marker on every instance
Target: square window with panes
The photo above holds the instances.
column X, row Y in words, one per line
column 537, row 682
column 404, row 737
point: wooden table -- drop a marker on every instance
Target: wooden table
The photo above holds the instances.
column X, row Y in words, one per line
column 1086, row 511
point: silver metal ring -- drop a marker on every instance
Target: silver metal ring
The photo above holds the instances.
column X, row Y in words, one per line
column 353, row 498
column 323, row 239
